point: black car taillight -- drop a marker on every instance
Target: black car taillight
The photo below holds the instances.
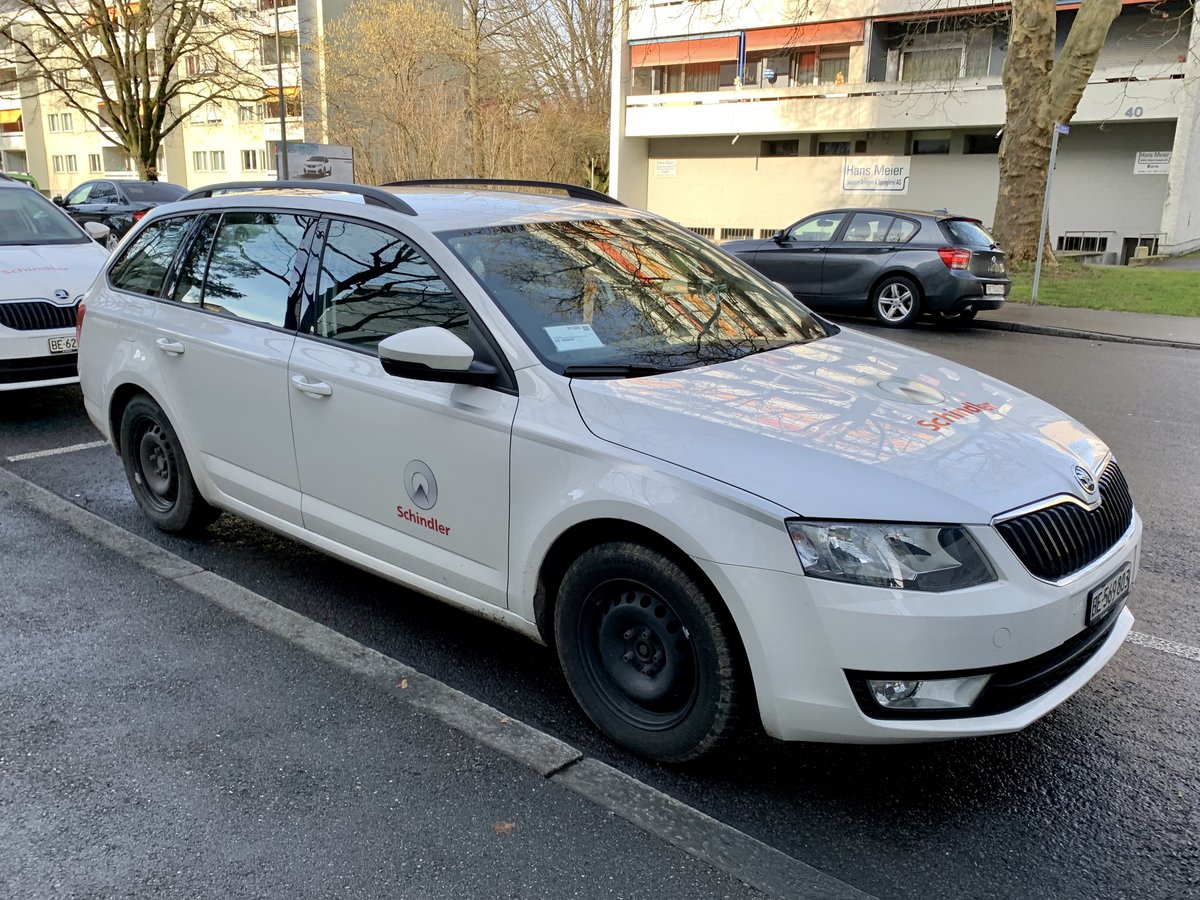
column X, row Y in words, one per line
column 138, row 213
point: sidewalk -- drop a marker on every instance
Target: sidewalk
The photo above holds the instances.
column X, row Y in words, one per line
column 1095, row 324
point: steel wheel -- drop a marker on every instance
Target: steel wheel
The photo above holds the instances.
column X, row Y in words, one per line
column 896, row 302
column 638, row 654
column 155, row 465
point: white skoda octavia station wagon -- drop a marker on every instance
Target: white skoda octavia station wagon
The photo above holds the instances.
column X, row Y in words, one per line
column 587, row 424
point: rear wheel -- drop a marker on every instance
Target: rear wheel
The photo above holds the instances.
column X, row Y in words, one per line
column 896, row 302
column 158, row 471
column 647, row 653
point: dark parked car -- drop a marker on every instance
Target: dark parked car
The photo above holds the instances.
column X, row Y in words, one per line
column 117, row 204
column 899, row 262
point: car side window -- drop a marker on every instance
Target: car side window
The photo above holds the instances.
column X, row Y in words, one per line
column 902, row 231
column 103, row 193
column 144, row 264
column 189, row 279
column 374, row 284
column 251, row 271
column 79, row 195
column 816, row 228
column 868, row 227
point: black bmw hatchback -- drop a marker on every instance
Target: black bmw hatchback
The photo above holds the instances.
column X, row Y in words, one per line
column 118, row 204
column 897, row 263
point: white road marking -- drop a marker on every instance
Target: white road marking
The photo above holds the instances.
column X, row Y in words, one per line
column 1187, row 651
column 91, row 445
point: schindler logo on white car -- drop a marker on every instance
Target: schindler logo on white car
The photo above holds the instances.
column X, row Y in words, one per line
column 421, row 487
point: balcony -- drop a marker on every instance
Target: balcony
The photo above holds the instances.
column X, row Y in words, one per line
column 888, row 106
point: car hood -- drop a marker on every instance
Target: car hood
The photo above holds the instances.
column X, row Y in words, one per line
column 40, row 271
column 851, row 427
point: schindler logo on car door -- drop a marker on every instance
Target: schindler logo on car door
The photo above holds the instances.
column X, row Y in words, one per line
column 421, row 486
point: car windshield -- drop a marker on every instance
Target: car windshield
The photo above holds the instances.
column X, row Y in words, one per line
column 26, row 217
column 152, row 191
column 965, row 231
column 628, row 296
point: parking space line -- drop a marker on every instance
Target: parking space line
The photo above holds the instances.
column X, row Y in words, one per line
column 74, row 448
column 1187, row 651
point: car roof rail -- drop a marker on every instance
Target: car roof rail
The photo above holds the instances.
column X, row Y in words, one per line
column 371, row 195
column 571, row 190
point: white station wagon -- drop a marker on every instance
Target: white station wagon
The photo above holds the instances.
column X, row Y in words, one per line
column 587, row 424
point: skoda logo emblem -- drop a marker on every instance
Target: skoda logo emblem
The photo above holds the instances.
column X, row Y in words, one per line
column 420, row 484
column 1085, row 479
column 61, row 294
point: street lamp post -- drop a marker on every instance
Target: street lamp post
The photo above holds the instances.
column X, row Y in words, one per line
column 281, row 169
column 1037, row 268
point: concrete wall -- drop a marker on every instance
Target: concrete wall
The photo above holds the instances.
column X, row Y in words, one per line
column 720, row 184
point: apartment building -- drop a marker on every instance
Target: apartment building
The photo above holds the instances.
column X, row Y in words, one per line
column 230, row 140
column 737, row 119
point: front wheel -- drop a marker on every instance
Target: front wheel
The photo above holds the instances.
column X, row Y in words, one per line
column 157, row 470
column 896, row 302
column 647, row 653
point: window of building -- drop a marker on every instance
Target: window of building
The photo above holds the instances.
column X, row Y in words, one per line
column 11, row 121
column 8, row 80
column 289, row 49
column 117, row 160
column 250, row 112
column 291, row 98
column 199, row 160
column 1082, row 243
column 264, row 5
column 254, row 160
column 373, row 284
column 927, row 146
column 786, row 147
column 251, row 256
column 833, row 148
column 736, row 234
column 200, row 64
column 936, row 55
column 94, row 163
column 982, row 143
column 216, row 160
column 833, row 65
column 65, row 164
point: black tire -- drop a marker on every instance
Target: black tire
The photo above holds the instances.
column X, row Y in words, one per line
column 158, row 472
column 647, row 653
column 896, row 301
column 961, row 319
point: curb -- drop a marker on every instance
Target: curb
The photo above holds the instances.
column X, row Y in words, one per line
column 1056, row 331
column 686, row 828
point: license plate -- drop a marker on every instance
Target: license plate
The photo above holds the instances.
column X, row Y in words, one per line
column 1114, row 591
column 64, row 345
column 993, row 289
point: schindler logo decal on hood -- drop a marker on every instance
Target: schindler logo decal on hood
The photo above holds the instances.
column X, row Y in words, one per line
column 844, row 428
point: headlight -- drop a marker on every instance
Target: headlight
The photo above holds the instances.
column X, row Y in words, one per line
column 913, row 557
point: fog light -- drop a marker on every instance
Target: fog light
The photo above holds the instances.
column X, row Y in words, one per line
column 937, row 693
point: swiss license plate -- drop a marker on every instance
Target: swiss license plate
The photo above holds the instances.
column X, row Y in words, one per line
column 993, row 289
column 1114, row 591
column 64, row 345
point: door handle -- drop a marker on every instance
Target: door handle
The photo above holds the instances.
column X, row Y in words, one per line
column 312, row 388
column 170, row 347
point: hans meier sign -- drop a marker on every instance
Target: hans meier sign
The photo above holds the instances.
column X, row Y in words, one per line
column 876, row 174
column 1152, row 162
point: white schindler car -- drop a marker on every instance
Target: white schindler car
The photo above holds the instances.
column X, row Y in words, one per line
column 47, row 261
column 586, row 423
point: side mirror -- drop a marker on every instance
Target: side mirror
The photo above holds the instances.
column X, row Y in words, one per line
column 433, row 354
column 97, row 231
column 58, row 201
column 779, row 237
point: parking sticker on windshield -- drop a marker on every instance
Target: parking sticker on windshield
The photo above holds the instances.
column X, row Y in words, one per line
column 573, row 337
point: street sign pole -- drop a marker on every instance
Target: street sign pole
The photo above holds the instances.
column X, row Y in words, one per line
column 281, row 164
column 1037, row 268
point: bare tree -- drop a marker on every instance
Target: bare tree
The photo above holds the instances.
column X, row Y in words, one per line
column 134, row 69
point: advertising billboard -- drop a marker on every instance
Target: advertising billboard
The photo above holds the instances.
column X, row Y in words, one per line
column 319, row 162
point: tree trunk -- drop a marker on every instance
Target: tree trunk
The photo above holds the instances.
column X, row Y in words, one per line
column 1039, row 93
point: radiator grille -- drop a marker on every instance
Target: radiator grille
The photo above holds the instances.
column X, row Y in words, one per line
column 1064, row 538
column 36, row 315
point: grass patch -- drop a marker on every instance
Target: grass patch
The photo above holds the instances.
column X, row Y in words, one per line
column 1142, row 289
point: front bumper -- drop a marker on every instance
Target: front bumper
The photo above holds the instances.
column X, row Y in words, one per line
column 807, row 639
column 25, row 360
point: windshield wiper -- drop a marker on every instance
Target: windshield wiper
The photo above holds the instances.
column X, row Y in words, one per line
column 614, row 371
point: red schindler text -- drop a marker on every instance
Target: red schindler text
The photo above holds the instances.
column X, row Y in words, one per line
column 413, row 516
column 948, row 417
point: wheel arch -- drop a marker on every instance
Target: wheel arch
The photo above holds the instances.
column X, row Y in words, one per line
column 907, row 274
column 116, row 408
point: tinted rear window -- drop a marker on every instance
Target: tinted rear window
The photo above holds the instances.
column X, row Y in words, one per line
column 152, row 191
column 965, row 231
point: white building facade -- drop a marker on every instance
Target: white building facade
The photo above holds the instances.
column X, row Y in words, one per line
column 737, row 119
column 231, row 140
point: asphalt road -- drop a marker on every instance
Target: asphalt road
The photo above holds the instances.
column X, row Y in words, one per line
column 1099, row 799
